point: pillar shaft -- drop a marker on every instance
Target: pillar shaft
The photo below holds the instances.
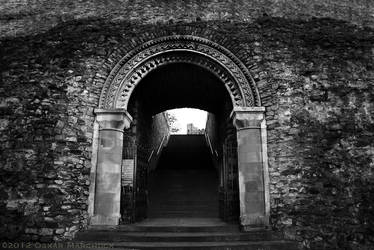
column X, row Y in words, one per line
column 107, row 186
column 252, row 166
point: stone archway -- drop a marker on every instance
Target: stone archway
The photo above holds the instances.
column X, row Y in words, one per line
column 171, row 49
column 112, row 118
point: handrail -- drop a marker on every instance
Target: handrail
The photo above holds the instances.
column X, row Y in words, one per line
column 150, row 156
column 158, row 148
column 162, row 143
column 208, row 140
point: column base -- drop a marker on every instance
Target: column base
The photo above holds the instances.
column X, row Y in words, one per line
column 104, row 220
column 253, row 219
column 251, row 228
column 250, row 223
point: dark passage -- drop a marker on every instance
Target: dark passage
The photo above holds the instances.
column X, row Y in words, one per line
column 185, row 183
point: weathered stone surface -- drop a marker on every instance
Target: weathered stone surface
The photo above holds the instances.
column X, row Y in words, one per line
column 315, row 79
column 46, row 231
column 19, row 17
column 249, row 123
column 60, row 231
column 107, row 192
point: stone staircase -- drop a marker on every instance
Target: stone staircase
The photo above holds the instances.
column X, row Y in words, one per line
column 188, row 233
column 185, row 183
column 183, row 210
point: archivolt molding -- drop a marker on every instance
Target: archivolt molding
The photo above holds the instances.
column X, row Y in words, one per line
column 139, row 73
column 171, row 49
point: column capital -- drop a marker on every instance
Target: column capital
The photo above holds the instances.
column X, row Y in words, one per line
column 113, row 119
column 247, row 117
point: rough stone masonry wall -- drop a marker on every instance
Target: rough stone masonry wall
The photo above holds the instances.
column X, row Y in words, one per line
column 150, row 133
column 320, row 131
column 315, row 78
column 25, row 17
column 160, row 132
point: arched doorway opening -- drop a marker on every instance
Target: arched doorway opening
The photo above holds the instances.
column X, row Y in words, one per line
column 184, row 181
column 196, row 73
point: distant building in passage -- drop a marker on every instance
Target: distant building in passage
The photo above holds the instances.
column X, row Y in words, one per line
column 192, row 130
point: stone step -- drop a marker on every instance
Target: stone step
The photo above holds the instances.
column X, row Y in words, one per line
column 238, row 245
column 183, row 214
column 183, row 233
column 180, row 229
column 186, row 211
column 185, row 182
column 196, row 208
column 174, row 236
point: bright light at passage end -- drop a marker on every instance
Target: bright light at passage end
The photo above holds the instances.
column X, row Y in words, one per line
column 187, row 115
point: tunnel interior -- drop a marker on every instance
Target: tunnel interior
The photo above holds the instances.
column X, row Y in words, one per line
column 181, row 175
column 185, row 182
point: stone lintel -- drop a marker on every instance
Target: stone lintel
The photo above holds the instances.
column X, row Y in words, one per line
column 113, row 119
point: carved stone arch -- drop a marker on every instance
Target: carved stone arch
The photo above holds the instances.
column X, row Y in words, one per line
column 112, row 119
column 137, row 63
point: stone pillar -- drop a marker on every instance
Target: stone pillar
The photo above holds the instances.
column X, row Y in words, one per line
column 105, row 189
column 252, row 166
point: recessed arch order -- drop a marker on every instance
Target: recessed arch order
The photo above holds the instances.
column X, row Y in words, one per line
column 137, row 63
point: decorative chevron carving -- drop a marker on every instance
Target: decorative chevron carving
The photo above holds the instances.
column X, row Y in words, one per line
column 178, row 49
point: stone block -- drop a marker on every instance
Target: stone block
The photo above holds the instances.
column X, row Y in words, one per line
column 45, row 231
column 60, row 231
